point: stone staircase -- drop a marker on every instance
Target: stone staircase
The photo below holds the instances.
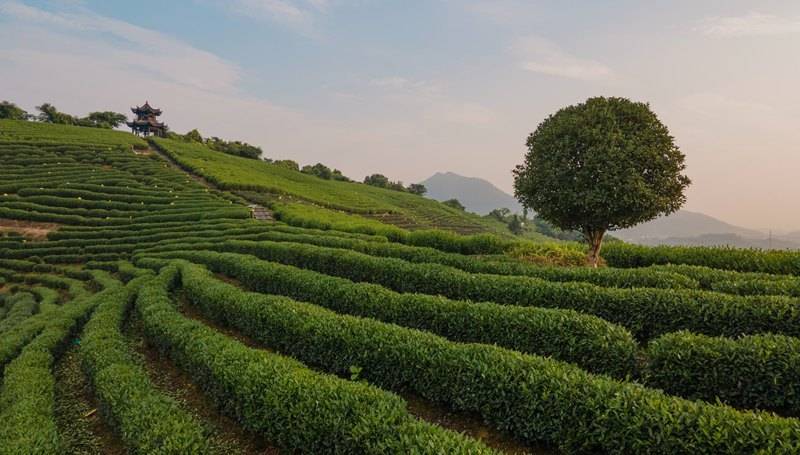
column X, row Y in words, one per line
column 260, row 213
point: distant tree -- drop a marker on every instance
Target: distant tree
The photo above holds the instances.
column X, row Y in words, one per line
column 11, row 111
column 337, row 175
column 544, row 227
column 236, row 148
column 601, row 165
column 106, row 119
column 455, row 203
column 501, row 214
column 193, row 136
column 288, row 164
column 515, row 225
column 49, row 114
column 319, row 170
column 378, row 180
column 417, row 188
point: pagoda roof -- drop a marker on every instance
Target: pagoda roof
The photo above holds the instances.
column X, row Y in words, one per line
column 145, row 109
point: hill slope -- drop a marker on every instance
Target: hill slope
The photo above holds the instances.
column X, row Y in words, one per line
column 477, row 195
column 683, row 223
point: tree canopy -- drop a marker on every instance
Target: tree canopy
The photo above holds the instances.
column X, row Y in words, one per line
column 601, row 165
column 11, row 111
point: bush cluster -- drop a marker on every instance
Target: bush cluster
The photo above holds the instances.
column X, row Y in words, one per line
column 292, row 406
column 536, row 399
column 758, row 371
column 566, row 335
column 645, row 312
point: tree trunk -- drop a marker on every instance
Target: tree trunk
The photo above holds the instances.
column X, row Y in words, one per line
column 595, row 240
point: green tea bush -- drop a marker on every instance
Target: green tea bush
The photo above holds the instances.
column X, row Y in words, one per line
column 534, row 398
column 759, row 371
column 292, row 406
column 147, row 420
column 619, row 254
column 645, row 312
column 563, row 334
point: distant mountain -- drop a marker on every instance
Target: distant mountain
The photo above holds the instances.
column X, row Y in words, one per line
column 683, row 223
column 732, row 240
column 696, row 229
column 477, row 195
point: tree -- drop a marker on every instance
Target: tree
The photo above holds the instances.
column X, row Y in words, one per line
column 378, row 180
column 515, row 225
column 106, row 119
column 319, row 169
column 417, row 188
column 601, row 165
column 193, row 136
column 287, row 164
column 455, row 203
column 49, row 114
column 11, row 111
column 501, row 214
column 337, row 175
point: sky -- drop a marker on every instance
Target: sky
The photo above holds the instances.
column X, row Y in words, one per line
column 408, row 88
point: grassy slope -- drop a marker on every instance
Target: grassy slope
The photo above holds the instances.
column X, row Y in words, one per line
column 394, row 207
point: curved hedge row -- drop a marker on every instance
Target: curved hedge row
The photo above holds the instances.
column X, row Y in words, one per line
column 147, row 420
column 620, row 254
column 602, row 277
column 645, row 312
column 21, row 306
column 294, row 407
column 27, row 398
column 566, row 335
column 760, row 371
column 579, row 413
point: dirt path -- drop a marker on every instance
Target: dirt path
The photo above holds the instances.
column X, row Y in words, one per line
column 257, row 211
column 82, row 429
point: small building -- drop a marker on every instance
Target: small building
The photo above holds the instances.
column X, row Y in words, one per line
column 146, row 122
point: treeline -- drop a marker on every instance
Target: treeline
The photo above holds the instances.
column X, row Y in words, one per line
column 49, row 114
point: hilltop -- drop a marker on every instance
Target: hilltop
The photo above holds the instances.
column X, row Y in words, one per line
column 478, row 195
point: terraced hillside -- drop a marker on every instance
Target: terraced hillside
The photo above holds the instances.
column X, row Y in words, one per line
column 142, row 311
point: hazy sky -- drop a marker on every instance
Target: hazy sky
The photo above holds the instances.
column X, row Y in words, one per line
column 408, row 88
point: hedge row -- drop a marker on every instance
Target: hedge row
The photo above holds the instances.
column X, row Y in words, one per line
column 147, row 420
column 533, row 398
column 602, row 277
column 21, row 306
column 566, row 335
column 292, row 406
column 645, row 312
column 27, row 398
column 760, row 371
column 619, row 254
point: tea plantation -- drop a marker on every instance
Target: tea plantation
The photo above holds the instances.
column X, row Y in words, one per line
column 143, row 310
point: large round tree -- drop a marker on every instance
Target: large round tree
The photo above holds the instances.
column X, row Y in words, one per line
column 601, row 165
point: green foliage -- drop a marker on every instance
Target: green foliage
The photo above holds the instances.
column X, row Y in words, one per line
column 20, row 306
column 11, row 111
column 455, row 204
column 581, row 412
column 106, row 119
column 193, row 136
column 759, row 371
column 562, row 334
column 417, row 188
column 550, row 253
column 293, row 407
column 645, row 312
column 236, row 148
column 601, row 165
column 147, row 420
column 737, row 259
column 287, row 164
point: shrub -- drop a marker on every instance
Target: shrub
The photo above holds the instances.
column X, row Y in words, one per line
column 563, row 334
column 294, row 407
column 645, row 312
column 534, row 398
column 759, row 371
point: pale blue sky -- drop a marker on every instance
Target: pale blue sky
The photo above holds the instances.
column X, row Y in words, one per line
column 409, row 88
